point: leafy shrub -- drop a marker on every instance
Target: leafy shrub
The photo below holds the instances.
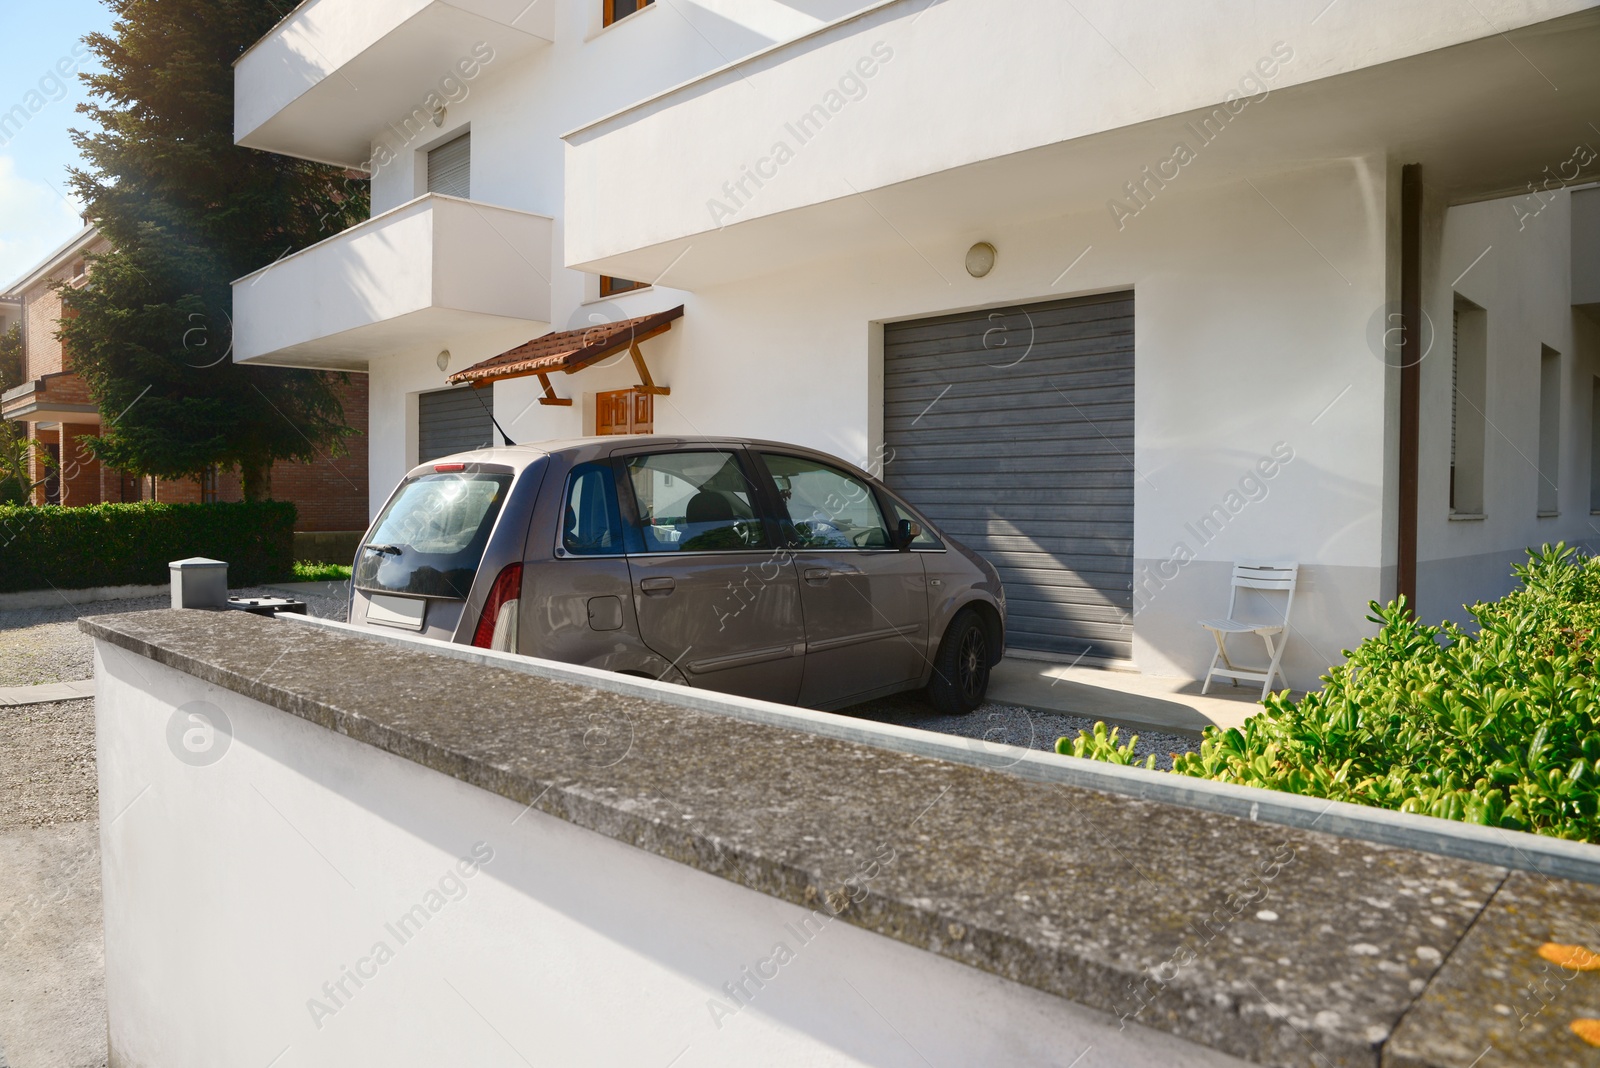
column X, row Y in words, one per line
column 1100, row 745
column 1499, row 727
column 131, row 544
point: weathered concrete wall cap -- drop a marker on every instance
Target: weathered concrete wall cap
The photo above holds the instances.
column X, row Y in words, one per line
column 1277, row 945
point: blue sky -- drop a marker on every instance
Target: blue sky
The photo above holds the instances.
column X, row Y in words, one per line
column 35, row 150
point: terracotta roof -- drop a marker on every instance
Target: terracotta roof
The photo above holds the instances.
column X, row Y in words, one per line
column 567, row 350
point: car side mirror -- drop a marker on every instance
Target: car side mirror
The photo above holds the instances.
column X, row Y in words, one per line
column 906, row 533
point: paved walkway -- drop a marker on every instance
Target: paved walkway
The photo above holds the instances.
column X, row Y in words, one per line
column 46, row 693
column 1120, row 697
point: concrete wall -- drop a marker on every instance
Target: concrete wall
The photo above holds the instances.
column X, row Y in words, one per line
column 255, row 883
column 1524, row 283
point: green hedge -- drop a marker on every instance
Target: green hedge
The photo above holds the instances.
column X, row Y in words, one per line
column 1497, row 726
column 131, row 544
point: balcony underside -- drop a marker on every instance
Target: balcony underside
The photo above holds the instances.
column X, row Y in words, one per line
column 336, row 75
column 1484, row 118
column 425, row 330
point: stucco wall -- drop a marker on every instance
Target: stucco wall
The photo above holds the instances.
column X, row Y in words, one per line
column 247, row 898
column 1524, row 284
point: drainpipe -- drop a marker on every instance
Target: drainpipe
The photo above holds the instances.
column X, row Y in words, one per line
column 1410, row 377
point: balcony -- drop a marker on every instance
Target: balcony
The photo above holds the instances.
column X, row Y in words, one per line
column 333, row 74
column 435, row 272
column 61, row 397
column 820, row 146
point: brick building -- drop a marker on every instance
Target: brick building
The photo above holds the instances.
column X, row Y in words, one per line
column 54, row 405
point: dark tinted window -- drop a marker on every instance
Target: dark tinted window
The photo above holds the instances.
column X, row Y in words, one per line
column 826, row 508
column 591, row 524
column 431, row 536
column 694, row 502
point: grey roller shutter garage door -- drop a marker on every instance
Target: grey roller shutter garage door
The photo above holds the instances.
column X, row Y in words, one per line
column 452, row 420
column 1012, row 429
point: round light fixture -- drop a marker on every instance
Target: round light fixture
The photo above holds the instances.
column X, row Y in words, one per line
column 980, row 259
column 438, row 116
column 444, row 359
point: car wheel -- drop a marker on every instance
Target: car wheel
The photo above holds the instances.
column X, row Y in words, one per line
column 961, row 670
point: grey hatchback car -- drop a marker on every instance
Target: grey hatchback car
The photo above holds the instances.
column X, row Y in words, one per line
column 749, row 567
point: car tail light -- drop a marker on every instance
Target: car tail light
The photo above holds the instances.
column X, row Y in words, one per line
column 497, row 626
column 442, row 468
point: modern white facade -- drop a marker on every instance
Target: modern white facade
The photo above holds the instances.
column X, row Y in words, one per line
column 806, row 178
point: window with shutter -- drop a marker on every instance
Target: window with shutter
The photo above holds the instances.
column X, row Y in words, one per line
column 450, row 168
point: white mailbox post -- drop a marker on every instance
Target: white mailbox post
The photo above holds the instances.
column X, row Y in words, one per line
column 199, row 583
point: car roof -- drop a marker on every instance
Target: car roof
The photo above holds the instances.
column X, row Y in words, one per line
column 520, row 456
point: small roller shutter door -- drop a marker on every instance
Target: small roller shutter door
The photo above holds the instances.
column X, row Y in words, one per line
column 452, row 420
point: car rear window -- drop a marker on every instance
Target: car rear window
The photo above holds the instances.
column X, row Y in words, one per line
column 431, row 536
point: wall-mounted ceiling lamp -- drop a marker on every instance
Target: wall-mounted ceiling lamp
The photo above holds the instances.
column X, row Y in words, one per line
column 444, row 360
column 980, row 259
column 438, row 116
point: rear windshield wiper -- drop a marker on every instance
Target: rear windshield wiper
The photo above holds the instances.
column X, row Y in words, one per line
column 390, row 550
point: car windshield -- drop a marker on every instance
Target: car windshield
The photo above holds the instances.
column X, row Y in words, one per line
column 431, row 536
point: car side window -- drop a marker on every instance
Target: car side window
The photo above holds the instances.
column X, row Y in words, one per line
column 591, row 524
column 825, row 508
column 925, row 539
column 695, row 502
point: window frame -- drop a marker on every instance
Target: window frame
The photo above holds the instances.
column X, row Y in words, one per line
column 609, row 9
column 881, row 499
column 1552, row 397
column 609, row 287
column 627, row 530
column 633, row 532
column 444, row 142
column 928, row 530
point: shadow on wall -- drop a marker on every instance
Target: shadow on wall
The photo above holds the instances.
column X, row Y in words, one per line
column 591, row 882
column 1192, row 580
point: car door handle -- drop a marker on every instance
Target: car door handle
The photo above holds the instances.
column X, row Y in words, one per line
column 817, row 575
column 657, row 587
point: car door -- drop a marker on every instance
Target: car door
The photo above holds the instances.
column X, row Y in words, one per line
column 710, row 592
column 865, row 603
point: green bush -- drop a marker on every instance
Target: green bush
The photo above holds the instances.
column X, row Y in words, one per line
column 313, row 571
column 131, row 544
column 1499, row 727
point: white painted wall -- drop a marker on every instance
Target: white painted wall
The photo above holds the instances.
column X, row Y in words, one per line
column 1524, row 283
column 234, row 891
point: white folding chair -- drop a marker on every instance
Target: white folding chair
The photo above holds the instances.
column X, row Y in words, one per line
column 1269, row 578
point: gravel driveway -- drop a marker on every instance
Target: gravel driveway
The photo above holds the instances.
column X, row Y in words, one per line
column 1015, row 725
column 52, row 965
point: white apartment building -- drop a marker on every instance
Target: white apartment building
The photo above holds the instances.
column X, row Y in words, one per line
column 1114, row 291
